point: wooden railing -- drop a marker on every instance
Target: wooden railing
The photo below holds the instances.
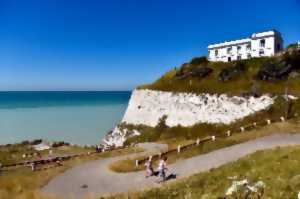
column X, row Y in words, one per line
column 213, row 138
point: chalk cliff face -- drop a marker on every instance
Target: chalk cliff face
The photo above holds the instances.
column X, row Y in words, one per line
column 186, row 109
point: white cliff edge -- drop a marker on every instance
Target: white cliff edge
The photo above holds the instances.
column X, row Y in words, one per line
column 146, row 107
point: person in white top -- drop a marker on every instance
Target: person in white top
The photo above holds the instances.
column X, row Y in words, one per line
column 149, row 168
column 162, row 168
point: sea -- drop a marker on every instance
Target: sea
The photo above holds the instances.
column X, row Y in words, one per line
column 79, row 117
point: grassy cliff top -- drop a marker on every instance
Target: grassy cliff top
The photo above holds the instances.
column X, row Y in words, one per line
column 253, row 76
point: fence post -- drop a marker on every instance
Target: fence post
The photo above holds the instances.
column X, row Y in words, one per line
column 178, row 149
column 268, row 121
column 198, row 141
column 282, row 119
column 242, row 129
column 228, row 133
column 213, row 138
column 136, row 163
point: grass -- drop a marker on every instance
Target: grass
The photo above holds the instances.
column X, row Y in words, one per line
column 292, row 126
column 244, row 83
column 13, row 153
column 277, row 168
column 22, row 183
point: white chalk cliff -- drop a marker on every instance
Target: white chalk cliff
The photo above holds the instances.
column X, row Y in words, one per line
column 186, row 109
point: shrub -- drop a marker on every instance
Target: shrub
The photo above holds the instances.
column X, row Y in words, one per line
column 161, row 125
column 201, row 72
column 199, row 61
column 231, row 72
column 279, row 68
column 272, row 70
column 292, row 46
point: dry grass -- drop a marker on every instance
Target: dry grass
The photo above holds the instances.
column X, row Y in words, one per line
column 22, row 183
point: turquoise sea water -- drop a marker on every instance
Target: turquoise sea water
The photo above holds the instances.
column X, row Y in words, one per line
column 76, row 117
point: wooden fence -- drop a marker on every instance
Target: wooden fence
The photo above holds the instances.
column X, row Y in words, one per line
column 203, row 140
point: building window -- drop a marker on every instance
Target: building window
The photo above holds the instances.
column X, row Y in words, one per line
column 239, row 57
column 229, row 50
column 229, row 59
column 261, row 52
column 248, row 47
column 239, row 48
column 216, row 52
column 248, row 56
column 262, row 43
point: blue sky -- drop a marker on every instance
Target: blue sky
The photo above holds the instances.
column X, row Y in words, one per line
column 119, row 44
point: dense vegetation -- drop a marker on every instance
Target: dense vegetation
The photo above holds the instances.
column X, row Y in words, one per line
column 263, row 75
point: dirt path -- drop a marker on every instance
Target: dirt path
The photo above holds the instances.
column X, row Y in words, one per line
column 100, row 180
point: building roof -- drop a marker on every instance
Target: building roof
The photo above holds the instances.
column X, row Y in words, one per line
column 230, row 43
column 264, row 34
column 243, row 41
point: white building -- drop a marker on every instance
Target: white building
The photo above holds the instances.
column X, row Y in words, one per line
column 258, row 45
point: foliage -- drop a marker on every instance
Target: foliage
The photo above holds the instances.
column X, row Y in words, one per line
column 292, row 46
column 232, row 72
column 273, row 70
column 199, row 61
column 161, row 125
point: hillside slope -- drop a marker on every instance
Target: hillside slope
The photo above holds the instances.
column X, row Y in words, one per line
column 204, row 97
column 253, row 76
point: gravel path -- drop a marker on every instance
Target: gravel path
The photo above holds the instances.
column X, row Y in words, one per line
column 101, row 181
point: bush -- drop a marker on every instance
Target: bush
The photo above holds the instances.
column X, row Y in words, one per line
column 199, row 61
column 273, row 70
column 292, row 46
column 184, row 69
column 200, row 72
column 230, row 73
column 161, row 125
column 279, row 68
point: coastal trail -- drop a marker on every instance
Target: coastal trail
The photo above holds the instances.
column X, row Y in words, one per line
column 95, row 179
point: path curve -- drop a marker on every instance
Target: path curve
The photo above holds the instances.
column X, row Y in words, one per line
column 101, row 181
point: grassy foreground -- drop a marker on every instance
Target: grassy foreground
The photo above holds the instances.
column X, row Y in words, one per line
column 22, row 183
column 277, row 168
column 292, row 126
